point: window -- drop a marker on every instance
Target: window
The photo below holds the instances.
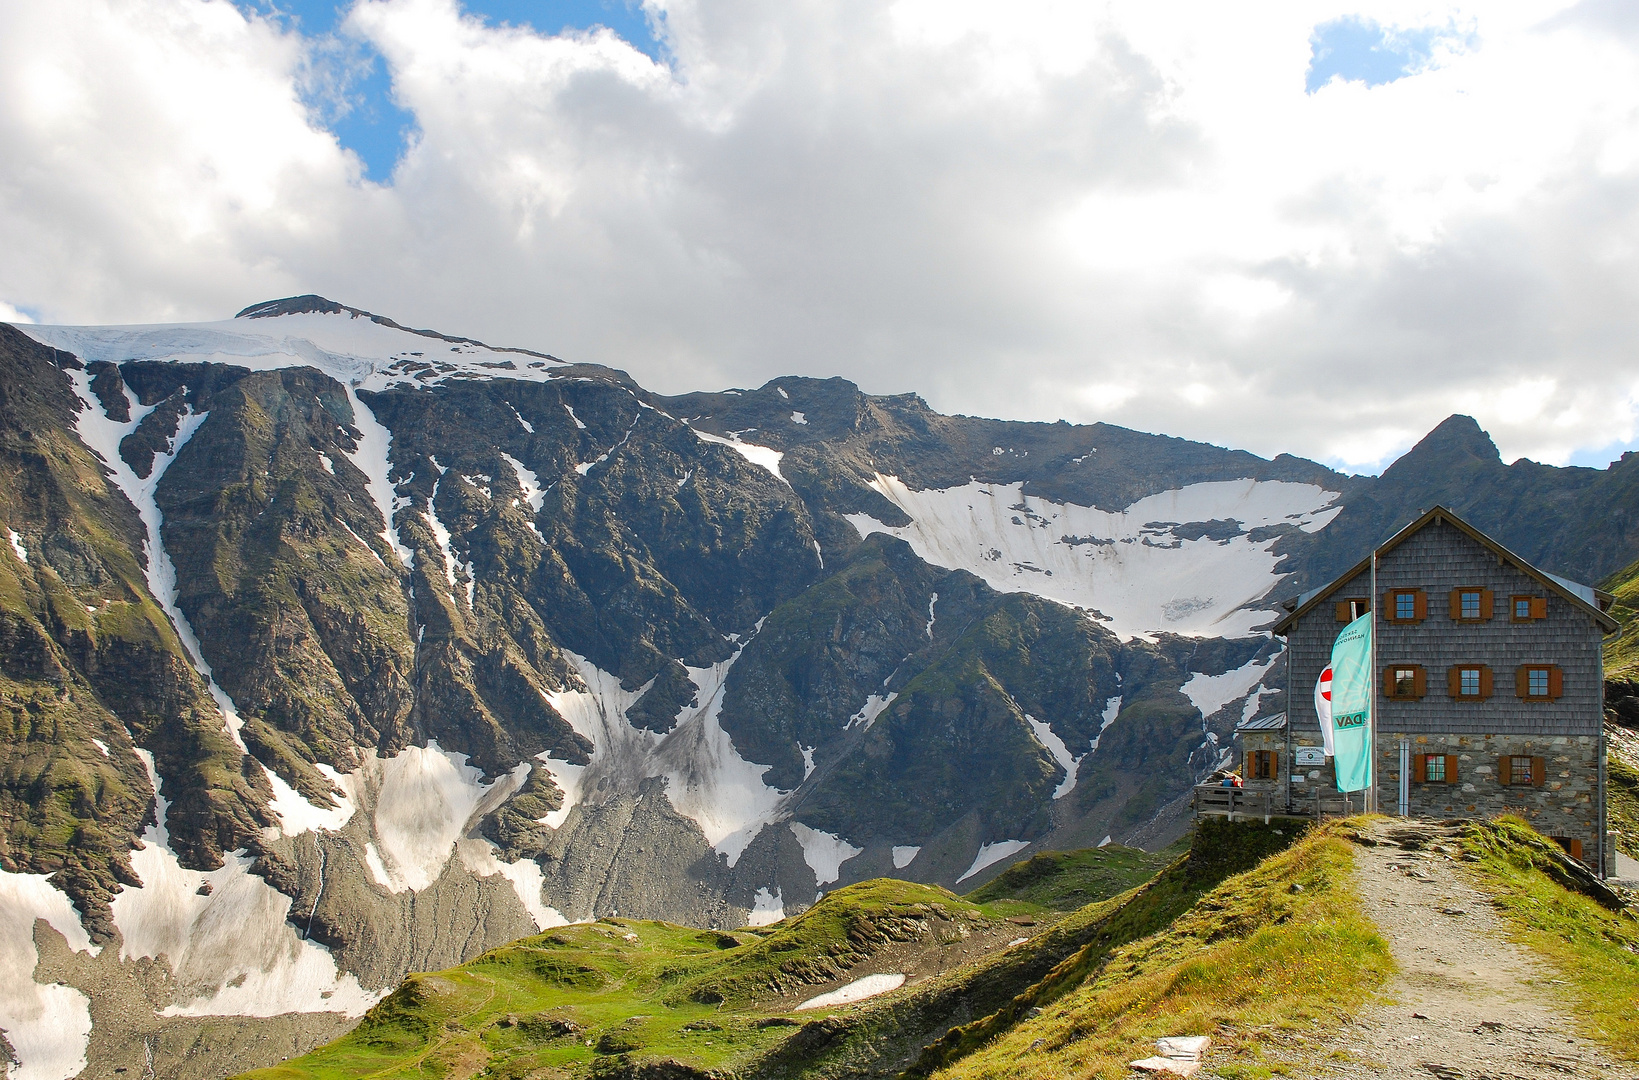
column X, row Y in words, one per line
column 1469, row 682
column 1350, row 610
column 1539, row 682
column 1520, row 769
column 1405, row 605
column 1405, row 682
column 1434, row 768
column 1527, row 608
column 1263, row 765
column 1471, row 604
column 1572, row 846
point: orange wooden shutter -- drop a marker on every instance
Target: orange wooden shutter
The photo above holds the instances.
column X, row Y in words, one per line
column 1487, row 603
column 1421, row 606
column 1522, row 682
column 1539, row 607
column 1556, row 682
column 1451, row 768
column 1576, row 850
column 1388, row 607
column 1420, row 680
column 1419, row 768
column 1505, row 769
column 1456, row 604
column 1274, row 764
column 1388, row 681
column 1485, row 681
column 1341, row 608
column 1454, row 682
column 1539, row 771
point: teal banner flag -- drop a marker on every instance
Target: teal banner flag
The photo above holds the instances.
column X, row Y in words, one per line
column 1352, row 687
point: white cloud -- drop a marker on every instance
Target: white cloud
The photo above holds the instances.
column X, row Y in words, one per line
column 1130, row 213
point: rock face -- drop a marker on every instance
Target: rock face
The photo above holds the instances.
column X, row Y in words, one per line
column 332, row 650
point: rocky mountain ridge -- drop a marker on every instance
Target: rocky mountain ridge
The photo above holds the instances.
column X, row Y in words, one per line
column 337, row 650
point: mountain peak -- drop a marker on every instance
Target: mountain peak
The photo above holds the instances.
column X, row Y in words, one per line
column 307, row 304
column 1455, row 440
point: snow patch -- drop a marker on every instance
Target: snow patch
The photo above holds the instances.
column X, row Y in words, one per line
column 807, row 760
column 767, row 908
column 373, row 553
column 48, row 1025
column 904, row 855
column 1209, row 693
column 572, row 416
column 371, row 457
column 527, row 426
column 932, row 600
column 329, row 466
column 781, row 391
column 480, row 858
column 823, row 852
column 530, row 484
column 873, row 707
column 17, row 546
column 442, row 536
column 799, row 418
column 297, row 815
column 991, row 853
column 1060, row 752
column 426, row 798
column 100, row 745
column 766, row 456
column 1112, row 709
column 858, row 990
column 1129, row 565
column 232, row 947
column 706, row 778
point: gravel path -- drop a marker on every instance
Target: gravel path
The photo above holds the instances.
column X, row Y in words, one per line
column 1467, row 1003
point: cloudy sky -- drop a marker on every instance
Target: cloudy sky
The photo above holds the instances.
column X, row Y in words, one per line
column 1310, row 227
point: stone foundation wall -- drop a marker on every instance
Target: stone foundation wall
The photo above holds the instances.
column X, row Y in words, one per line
column 1565, row 805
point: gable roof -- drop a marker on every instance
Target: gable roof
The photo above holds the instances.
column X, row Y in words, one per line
column 1591, row 601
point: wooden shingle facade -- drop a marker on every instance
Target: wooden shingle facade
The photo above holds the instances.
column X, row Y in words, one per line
column 1489, row 687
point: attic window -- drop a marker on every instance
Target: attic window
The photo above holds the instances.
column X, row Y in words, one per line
column 1528, row 608
column 1350, row 610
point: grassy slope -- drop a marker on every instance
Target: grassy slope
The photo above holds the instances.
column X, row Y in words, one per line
column 1622, row 804
column 1067, row 880
column 558, row 1002
column 1595, row 948
column 924, row 1027
column 1282, row 944
column 1622, row 654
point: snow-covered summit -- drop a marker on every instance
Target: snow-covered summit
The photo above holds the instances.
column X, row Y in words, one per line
column 361, row 349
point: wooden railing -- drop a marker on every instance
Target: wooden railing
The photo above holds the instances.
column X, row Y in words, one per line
column 1215, row 800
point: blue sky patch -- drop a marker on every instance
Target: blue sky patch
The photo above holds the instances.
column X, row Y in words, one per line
column 1358, row 49
column 351, row 92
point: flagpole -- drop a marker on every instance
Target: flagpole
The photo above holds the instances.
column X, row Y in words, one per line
column 1371, row 714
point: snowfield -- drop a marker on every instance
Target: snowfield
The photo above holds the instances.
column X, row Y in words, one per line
column 1143, row 569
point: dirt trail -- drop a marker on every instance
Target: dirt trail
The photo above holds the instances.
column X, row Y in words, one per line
column 1467, row 1003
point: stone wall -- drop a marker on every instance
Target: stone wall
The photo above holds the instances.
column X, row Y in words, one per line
column 1563, row 806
